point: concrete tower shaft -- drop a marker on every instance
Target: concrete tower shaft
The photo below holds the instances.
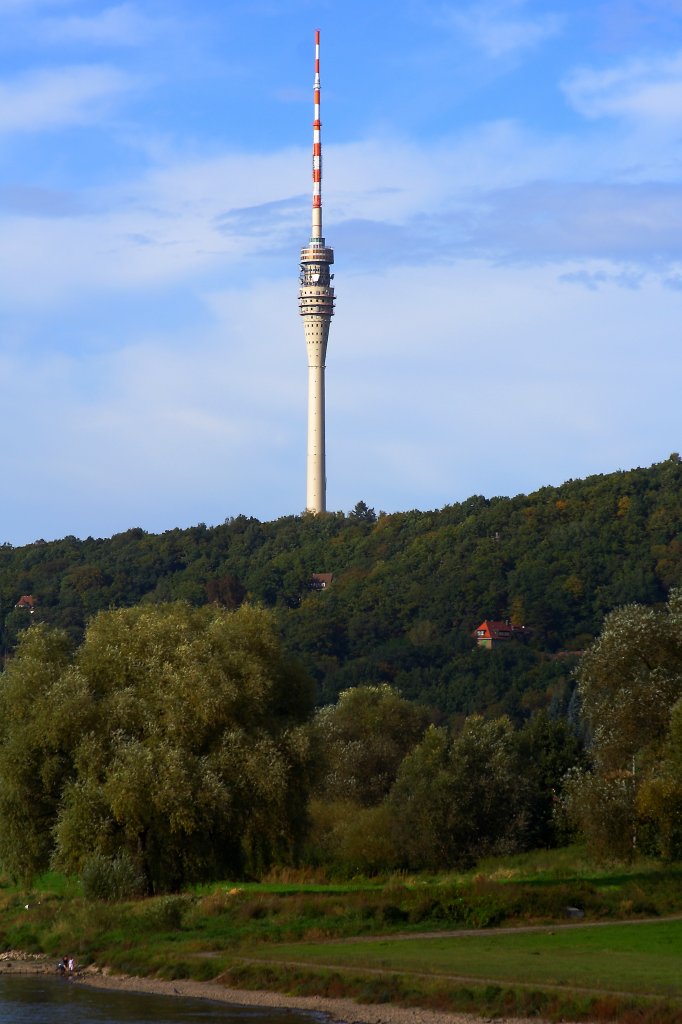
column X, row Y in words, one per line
column 316, row 306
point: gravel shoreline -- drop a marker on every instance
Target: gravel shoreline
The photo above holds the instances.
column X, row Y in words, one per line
column 344, row 1010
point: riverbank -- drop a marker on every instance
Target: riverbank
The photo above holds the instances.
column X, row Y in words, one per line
column 337, row 1009
column 16, row 962
column 261, row 940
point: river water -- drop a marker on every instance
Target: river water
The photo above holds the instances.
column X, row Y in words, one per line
column 42, row 999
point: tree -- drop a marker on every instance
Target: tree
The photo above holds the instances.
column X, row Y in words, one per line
column 351, row 839
column 630, row 685
column 225, row 590
column 456, row 799
column 659, row 799
column 174, row 735
column 363, row 513
column 33, row 763
column 408, row 588
column 629, row 680
column 546, row 750
column 362, row 741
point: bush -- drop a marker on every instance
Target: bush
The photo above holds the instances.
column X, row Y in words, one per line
column 165, row 913
column 392, row 914
column 351, row 839
column 111, row 878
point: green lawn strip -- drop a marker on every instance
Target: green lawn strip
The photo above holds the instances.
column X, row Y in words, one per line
column 640, row 960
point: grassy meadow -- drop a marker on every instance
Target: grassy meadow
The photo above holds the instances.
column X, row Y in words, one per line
column 374, row 939
column 642, row 960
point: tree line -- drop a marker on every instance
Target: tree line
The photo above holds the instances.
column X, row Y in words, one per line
column 183, row 744
column 394, row 790
column 408, row 587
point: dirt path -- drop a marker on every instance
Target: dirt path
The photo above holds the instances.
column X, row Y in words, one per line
column 547, row 929
column 464, row 979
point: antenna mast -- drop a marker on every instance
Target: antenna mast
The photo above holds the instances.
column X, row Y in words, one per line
column 317, row 148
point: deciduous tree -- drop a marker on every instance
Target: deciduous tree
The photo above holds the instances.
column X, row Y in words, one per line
column 174, row 735
column 630, row 685
column 362, row 741
column 456, row 799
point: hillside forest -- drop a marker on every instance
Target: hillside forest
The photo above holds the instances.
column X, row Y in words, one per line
column 188, row 705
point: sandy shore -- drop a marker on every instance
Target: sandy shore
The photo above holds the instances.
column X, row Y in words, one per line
column 336, row 1009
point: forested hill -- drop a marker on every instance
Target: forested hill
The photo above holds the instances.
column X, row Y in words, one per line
column 407, row 590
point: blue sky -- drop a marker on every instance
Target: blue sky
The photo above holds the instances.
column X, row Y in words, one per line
column 502, row 188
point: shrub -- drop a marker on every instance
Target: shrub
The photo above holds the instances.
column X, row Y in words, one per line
column 111, row 878
column 165, row 913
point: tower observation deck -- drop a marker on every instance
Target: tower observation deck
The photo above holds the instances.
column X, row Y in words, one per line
column 316, row 306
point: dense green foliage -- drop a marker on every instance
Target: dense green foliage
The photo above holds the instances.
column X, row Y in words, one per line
column 455, row 797
column 362, row 741
column 172, row 740
column 630, row 684
column 408, row 587
column 443, row 797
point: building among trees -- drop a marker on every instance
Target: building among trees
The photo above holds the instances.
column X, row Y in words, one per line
column 491, row 633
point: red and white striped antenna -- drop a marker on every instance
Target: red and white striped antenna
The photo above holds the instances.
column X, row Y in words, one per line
column 317, row 147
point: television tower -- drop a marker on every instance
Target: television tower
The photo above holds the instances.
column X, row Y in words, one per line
column 316, row 305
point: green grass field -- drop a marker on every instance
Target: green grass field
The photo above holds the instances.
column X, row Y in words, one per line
column 638, row 959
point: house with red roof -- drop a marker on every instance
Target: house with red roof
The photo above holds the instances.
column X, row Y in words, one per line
column 492, row 633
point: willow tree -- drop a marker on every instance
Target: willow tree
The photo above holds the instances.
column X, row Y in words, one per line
column 630, row 685
column 173, row 735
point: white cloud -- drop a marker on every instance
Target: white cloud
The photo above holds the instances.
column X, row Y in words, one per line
column 491, row 192
column 52, row 98
column 122, row 25
column 639, row 223
column 501, row 28
column 639, row 89
column 169, row 226
column 170, row 427
column 498, row 360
